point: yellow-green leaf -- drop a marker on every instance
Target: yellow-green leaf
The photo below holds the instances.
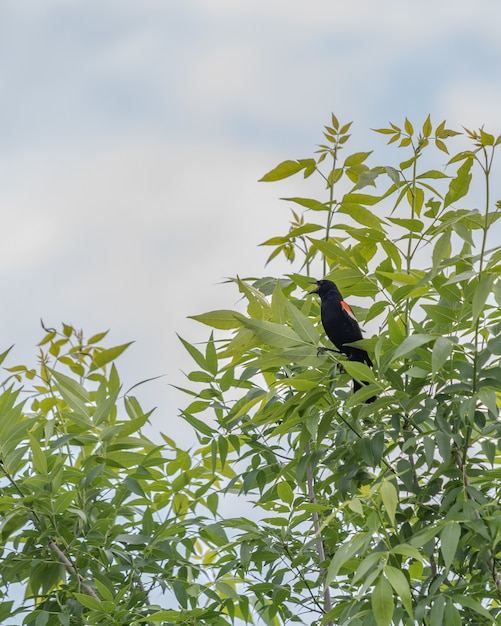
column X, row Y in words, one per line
column 382, row 602
column 222, row 319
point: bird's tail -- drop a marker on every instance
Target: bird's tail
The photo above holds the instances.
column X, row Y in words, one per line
column 357, row 386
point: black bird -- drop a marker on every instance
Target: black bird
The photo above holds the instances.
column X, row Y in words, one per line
column 340, row 324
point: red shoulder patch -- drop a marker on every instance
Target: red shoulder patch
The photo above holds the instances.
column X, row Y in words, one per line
column 346, row 307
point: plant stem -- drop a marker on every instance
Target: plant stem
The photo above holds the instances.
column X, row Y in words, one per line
column 486, row 167
column 330, row 214
column 316, row 526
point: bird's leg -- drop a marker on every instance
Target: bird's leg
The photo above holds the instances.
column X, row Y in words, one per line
column 322, row 350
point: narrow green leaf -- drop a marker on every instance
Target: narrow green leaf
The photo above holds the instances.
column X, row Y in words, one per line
column 459, row 185
column 437, row 611
column 102, row 358
column 343, row 554
column 272, row 334
column 410, row 343
column 4, row 354
column 435, row 174
column 361, row 215
column 405, row 549
column 196, row 355
column 442, row 249
column 198, row 425
column 333, row 250
column 211, row 356
column 449, row 539
column 73, row 392
column 389, row 496
column 408, row 127
column 452, row 617
column 89, row 602
column 482, row 291
column 98, row 337
column 442, row 349
column 359, row 371
column 278, row 304
column 302, row 324
column 302, row 230
column 285, row 492
column 285, row 169
column 361, row 198
column 356, row 159
column 221, row 319
column 309, row 203
column 412, row 225
column 400, row 584
column 472, row 604
column 382, row 602
column 39, row 460
column 104, row 408
column 427, row 127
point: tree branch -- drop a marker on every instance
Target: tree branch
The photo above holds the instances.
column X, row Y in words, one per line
column 70, row 568
column 316, row 526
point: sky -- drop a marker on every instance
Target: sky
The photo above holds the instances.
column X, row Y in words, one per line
column 133, row 134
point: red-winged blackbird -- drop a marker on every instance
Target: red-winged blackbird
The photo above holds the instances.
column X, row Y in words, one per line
column 340, row 324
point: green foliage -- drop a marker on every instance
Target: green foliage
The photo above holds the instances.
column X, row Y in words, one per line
column 382, row 513
column 98, row 522
column 300, row 502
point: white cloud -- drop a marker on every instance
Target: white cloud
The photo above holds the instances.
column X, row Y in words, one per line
column 134, row 134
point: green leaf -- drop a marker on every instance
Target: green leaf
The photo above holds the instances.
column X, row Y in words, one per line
column 389, row 496
column 460, row 184
column 405, row 549
column 334, row 250
column 343, row 554
column 88, row 602
column 196, row 355
column 211, row 356
column 400, row 584
column 361, row 215
column 482, row 291
column 39, row 460
column 427, row 127
column 472, row 604
column 73, row 392
column 309, row 203
column 442, row 349
column 98, row 337
column 412, row 225
column 302, row 324
column 100, row 359
column 452, row 616
column 410, row 343
column 3, row 355
column 449, row 539
column 272, row 334
column 382, row 602
column 286, row 169
column 197, row 424
column 285, row 492
column 356, row 159
column 442, row 249
column 222, row 319
column 408, row 127
column 359, row 371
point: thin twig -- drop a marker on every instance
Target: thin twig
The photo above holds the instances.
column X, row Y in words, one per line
column 316, row 526
column 71, row 569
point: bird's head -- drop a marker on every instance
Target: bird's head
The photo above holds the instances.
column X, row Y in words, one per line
column 326, row 288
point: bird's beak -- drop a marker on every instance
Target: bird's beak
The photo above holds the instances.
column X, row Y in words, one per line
column 315, row 290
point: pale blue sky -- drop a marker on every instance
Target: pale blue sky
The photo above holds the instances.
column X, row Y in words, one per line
column 133, row 134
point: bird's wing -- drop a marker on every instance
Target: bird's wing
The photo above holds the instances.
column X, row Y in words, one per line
column 347, row 310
